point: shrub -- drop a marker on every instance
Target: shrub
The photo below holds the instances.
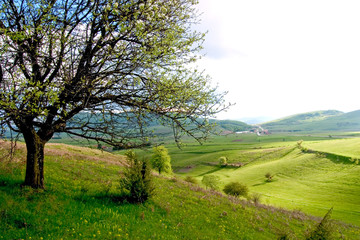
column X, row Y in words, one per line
column 354, row 160
column 191, row 179
column 301, row 147
column 304, row 150
column 320, row 155
column 283, row 236
column 236, row 189
column 299, row 144
column 324, row 230
column 211, row 181
column 222, row 161
column 255, row 198
column 137, row 180
column 160, row 159
column 269, row 177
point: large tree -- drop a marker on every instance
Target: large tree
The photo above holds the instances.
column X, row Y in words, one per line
column 101, row 70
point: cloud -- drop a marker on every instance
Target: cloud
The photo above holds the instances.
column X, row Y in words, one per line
column 221, row 52
column 283, row 57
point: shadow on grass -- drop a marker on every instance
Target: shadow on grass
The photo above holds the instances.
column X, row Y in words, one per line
column 339, row 159
column 259, row 184
column 211, row 171
column 102, row 198
column 335, row 158
column 10, row 183
column 265, row 182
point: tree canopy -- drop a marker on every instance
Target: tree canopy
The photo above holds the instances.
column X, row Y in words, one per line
column 161, row 159
column 100, row 69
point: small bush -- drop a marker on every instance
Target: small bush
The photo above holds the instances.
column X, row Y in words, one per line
column 320, row 155
column 283, row 236
column 211, row 181
column 269, row 177
column 354, row 160
column 236, row 189
column 255, row 198
column 304, row 150
column 191, row 179
column 137, row 181
column 222, row 161
column 299, row 144
column 324, row 230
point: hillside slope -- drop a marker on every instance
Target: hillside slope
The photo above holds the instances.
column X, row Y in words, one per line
column 319, row 121
column 312, row 182
column 78, row 203
column 165, row 133
column 231, row 125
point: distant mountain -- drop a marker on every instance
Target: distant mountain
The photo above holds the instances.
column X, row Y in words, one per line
column 220, row 126
column 305, row 117
column 231, row 125
column 330, row 120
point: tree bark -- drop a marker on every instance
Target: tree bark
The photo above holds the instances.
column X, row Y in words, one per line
column 35, row 160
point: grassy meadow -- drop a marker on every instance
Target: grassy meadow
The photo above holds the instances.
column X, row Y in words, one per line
column 82, row 185
column 311, row 182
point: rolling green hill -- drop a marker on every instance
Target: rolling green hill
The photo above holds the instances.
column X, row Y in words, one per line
column 319, row 121
column 161, row 132
column 311, row 182
column 78, row 203
column 220, row 126
column 231, row 125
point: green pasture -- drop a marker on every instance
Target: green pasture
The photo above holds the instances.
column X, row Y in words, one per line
column 305, row 181
column 349, row 147
column 79, row 202
column 82, row 183
column 309, row 182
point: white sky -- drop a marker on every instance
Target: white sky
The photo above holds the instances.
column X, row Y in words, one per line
column 281, row 57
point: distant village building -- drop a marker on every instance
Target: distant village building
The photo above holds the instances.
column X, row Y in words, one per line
column 258, row 130
column 262, row 132
column 242, row 132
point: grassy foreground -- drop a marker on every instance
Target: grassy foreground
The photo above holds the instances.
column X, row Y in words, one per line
column 78, row 203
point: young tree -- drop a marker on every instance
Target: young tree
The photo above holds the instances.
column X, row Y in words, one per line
column 211, row 181
column 160, row 159
column 222, row 161
column 101, row 70
column 137, row 180
column 325, row 229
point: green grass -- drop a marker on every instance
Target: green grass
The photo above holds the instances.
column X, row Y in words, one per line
column 78, row 203
column 306, row 182
column 310, row 182
column 319, row 121
column 344, row 147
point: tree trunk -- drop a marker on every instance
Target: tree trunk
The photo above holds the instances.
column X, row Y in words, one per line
column 35, row 160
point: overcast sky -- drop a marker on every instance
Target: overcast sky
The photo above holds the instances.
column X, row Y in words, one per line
column 281, row 57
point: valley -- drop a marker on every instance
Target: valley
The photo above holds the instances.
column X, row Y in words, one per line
column 309, row 182
column 311, row 173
